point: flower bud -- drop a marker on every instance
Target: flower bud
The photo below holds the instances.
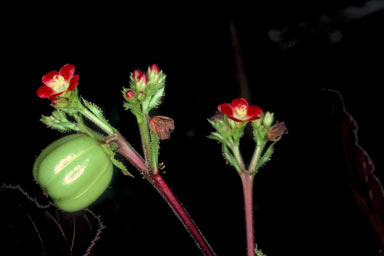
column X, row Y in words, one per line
column 268, row 119
column 129, row 94
column 140, row 79
column 277, row 131
column 136, row 74
column 154, row 74
column 154, row 69
column 162, row 126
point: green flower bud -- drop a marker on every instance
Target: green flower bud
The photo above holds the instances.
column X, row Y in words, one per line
column 268, row 119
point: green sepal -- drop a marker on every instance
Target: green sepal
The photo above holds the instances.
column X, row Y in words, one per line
column 58, row 121
column 230, row 159
column 112, row 156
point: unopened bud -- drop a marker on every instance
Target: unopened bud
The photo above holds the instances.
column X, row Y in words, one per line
column 140, row 78
column 136, row 74
column 129, row 94
column 268, row 119
column 162, row 126
column 154, row 69
column 277, row 131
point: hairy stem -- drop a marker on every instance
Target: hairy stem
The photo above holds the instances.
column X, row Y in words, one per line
column 256, row 157
column 182, row 214
column 145, row 140
column 247, row 182
column 237, row 154
column 126, row 150
column 157, row 181
column 105, row 127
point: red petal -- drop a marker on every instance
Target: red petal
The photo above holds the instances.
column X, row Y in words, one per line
column 67, row 71
column 253, row 118
column 73, row 83
column 47, row 78
column 44, row 91
column 237, row 120
column 239, row 101
column 254, row 111
column 226, row 109
column 54, row 96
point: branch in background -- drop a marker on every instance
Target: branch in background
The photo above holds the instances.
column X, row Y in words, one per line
column 241, row 77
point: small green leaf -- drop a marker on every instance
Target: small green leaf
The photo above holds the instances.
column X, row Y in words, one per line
column 156, row 99
column 216, row 136
column 230, row 158
column 96, row 110
column 108, row 149
column 121, row 166
column 58, row 120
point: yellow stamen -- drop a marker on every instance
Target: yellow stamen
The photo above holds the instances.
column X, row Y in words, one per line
column 241, row 110
column 58, row 83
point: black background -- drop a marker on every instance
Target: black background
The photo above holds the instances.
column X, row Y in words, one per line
column 291, row 49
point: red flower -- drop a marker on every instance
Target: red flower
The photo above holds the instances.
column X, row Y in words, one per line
column 239, row 110
column 58, row 82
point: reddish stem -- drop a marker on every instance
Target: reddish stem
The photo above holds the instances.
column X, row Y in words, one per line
column 157, row 181
column 247, row 181
column 182, row 214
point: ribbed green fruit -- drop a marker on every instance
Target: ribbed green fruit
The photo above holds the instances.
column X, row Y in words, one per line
column 74, row 171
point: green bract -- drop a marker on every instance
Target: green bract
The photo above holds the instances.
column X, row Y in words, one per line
column 74, row 171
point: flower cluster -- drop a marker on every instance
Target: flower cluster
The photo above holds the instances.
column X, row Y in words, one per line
column 229, row 124
column 145, row 90
column 58, row 83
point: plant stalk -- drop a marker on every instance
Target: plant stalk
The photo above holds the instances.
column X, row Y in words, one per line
column 160, row 185
column 247, row 182
column 182, row 214
column 145, row 140
column 105, row 127
column 255, row 157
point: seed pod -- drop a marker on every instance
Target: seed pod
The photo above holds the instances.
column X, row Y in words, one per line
column 74, row 171
column 277, row 131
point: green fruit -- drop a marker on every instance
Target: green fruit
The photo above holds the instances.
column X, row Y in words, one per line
column 74, row 171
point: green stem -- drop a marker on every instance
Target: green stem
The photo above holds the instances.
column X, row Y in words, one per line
column 256, row 157
column 237, row 154
column 102, row 125
column 145, row 140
